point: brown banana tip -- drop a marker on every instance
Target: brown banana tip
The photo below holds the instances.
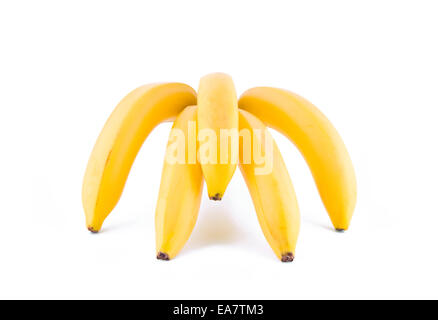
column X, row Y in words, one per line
column 287, row 257
column 162, row 256
column 216, row 197
column 92, row 230
column 340, row 230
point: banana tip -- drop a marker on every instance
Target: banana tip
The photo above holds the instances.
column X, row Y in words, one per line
column 92, row 230
column 287, row 257
column 340, row 230
column 216, row 197
column 162, row 256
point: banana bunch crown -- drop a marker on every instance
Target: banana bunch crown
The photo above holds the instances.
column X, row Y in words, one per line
column 213, row 132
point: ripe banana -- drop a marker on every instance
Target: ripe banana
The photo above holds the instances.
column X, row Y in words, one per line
column 180, row 192
column 272, row 192
column 317, row 140
column 217, row 120
column 121, row 138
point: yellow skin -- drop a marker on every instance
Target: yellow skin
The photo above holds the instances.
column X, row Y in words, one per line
column 120, row 140
column 273, row 194
column 179, row 197
column 217, row 109
column 317, row 140
column 181, row 187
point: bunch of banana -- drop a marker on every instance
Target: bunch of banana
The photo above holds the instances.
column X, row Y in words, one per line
column 212, row 133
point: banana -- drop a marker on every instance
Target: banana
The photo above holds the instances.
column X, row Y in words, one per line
column 218, row 118
column 272, row 192
column 120, row 140
column 180, row 192
column 317, row 140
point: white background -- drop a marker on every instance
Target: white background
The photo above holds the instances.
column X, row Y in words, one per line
column 370, row 66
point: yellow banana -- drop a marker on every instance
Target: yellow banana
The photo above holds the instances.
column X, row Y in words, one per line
column 272, row 192
column 217, row 120
column 180, row 191
column 121, row 138
column 317, row 140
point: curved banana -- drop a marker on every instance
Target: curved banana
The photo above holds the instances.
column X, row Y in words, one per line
column 317, row 140
column 217, row 122
column 180, row 190
column 270, row 187
column 121, row 138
